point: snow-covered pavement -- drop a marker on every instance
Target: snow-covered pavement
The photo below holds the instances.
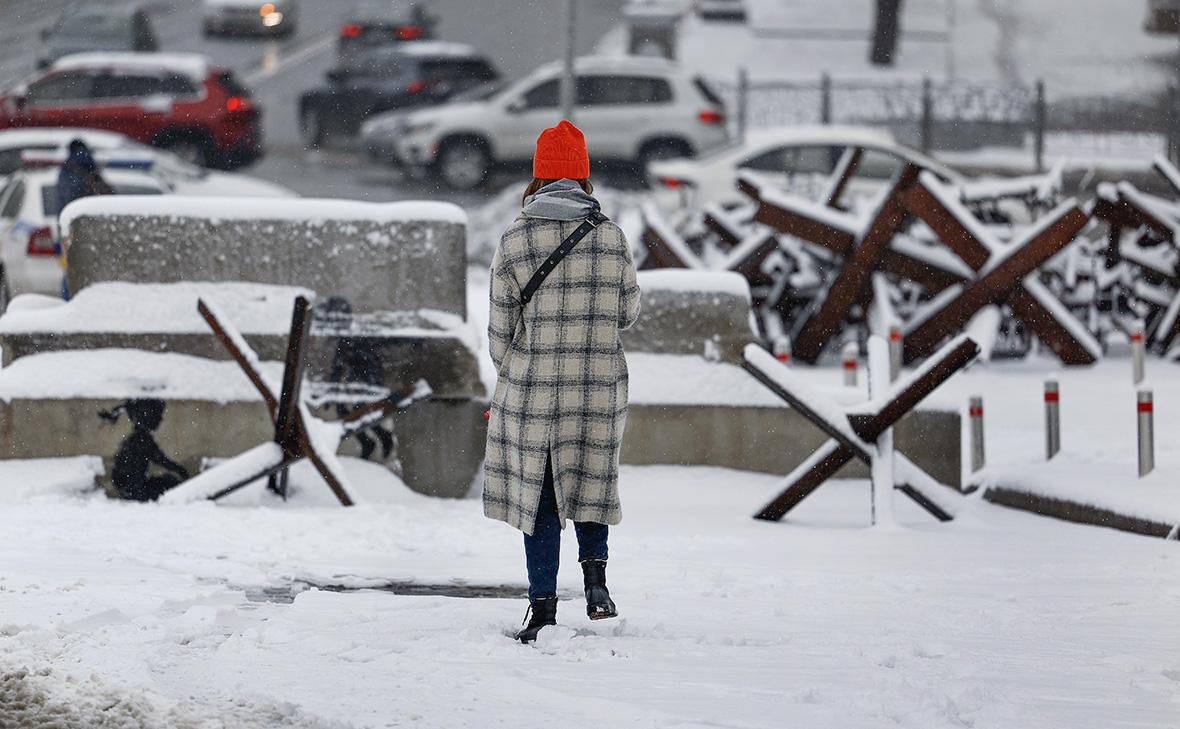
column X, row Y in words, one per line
column 119, row 614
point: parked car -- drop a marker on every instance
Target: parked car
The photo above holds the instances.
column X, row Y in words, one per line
column 29, row 254
column 384, row 22
column 47, row 147
column 252, row 17
column 631, row 109
column 118, row 28
column 423, row 73
column 799, row 160
column 174, row 101
column 1163, row 16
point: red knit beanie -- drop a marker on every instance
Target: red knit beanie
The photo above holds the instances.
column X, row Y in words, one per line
column 561, row 152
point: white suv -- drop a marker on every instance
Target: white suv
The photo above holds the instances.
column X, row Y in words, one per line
column 630, row 108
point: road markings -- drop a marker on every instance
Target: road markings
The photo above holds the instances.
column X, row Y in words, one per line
column 271, row 65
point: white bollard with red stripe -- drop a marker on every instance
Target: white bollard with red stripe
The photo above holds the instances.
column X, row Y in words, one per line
column 1052, row 419
column 1138, row 354
column 848, row 363
column 894, row 353
column 975, row 417
column 1146, row 432
column 781, row 348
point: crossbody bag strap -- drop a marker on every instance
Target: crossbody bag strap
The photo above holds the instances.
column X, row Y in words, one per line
column 591, row 222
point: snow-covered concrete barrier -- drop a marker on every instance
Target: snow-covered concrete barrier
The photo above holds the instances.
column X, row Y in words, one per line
column 398, row 256
column 692, row 312
column 687, row 410
column 53, row 405
column 436, row 345
column 390, row 278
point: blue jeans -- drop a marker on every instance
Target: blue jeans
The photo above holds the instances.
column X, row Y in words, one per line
column 542, row 548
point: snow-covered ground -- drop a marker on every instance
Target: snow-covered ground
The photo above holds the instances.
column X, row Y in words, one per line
column 131, row 615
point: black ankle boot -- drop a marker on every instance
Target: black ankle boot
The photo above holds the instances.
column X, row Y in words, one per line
column 541, row 612
column 598, row 603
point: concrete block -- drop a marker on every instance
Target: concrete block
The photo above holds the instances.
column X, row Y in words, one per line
column 381, row 257
column 774, row 439
column 432, row 345
column 683, row 309
column 50, row 405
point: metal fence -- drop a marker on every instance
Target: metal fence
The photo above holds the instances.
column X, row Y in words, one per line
column 959, row 115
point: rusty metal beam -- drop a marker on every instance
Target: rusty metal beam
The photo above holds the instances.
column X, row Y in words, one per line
column 840, row 450
column 851, row 163
column 859, row 264
column 996, row 285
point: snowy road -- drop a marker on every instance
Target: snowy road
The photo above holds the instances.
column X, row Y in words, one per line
column 999, row 619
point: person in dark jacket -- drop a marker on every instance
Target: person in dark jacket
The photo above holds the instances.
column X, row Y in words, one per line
column 560, row 405
column 79, row 177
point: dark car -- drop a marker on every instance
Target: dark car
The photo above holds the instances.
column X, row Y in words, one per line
column 383, row 22
column 390, row 78
column 123, row 28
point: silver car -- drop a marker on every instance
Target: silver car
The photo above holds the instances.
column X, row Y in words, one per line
column 254, row 17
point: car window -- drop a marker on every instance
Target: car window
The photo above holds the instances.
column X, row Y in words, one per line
column 449, row 70
column 876, row 164
column 795, row 159
column 231, row 84
column 543, row 95
column 125, row 86
column 68, row 86
column 611, row 90
column 15, row 193
column 10, row 159
column 49, row 200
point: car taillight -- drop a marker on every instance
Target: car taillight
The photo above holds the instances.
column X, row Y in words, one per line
column 41, row 243
column 352, row 30
column 417, row 86
column 711, row 116
column 408, row 32
column 237, row 103
column 671, row 182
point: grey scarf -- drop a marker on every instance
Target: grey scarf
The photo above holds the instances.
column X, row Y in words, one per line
column 560, row 200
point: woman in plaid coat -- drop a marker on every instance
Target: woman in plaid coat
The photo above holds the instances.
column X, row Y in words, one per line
column 560, row 405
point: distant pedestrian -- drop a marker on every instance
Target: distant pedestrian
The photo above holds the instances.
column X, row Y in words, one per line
column 557, row 416
column 79, row 177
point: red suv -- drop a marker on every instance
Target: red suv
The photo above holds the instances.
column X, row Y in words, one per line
column 175, row 101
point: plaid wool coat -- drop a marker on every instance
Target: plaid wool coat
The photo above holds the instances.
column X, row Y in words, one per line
column 562, row 385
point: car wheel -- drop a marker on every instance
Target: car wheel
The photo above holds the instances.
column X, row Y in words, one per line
column 664, row 149
column 191, row 149
column 463, row 165
column 313, row 129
